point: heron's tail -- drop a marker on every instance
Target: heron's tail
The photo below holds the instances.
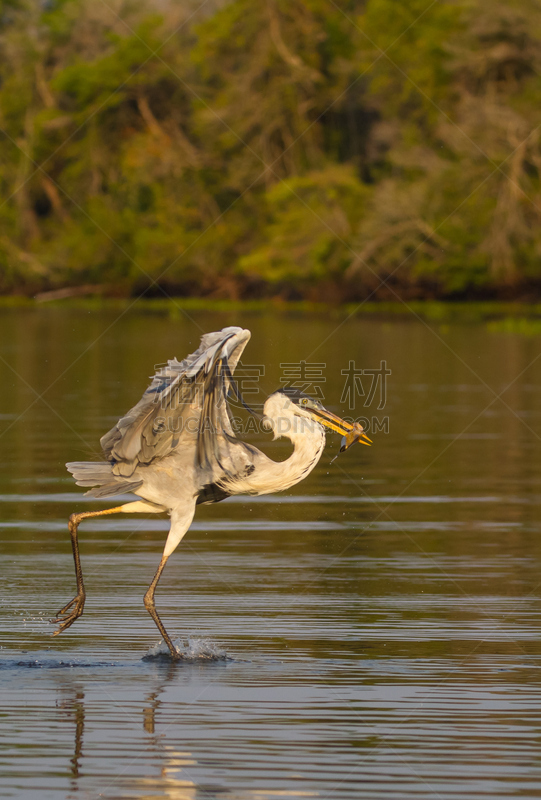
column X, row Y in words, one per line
column 99, row 474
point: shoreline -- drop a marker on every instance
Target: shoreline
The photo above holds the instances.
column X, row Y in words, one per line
column 437, row 311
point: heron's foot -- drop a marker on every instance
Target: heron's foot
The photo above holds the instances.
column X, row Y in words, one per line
column 175, row 655
column 67, row 618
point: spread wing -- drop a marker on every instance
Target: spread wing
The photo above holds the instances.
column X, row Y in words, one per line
column 186, row 402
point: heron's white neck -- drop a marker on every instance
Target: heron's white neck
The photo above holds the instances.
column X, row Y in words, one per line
column 308, row 449
column 308, row 438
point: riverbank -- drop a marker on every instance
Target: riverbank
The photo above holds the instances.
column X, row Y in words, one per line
column 512, row 316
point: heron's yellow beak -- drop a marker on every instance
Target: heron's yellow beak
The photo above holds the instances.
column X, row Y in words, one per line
column 352, row 431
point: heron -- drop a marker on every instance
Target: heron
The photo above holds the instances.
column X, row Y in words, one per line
column 177, row 449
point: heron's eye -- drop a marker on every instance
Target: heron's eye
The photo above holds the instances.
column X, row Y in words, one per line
column 304, row 401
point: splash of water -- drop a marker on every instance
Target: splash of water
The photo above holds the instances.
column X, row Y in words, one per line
column 191, row 650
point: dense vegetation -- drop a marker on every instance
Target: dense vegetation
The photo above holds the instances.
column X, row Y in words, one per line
column 301, row 148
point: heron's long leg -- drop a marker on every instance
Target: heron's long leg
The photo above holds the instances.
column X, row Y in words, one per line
column 151, row 608
column 63, row 617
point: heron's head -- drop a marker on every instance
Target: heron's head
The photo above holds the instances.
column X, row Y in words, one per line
column 290, row 411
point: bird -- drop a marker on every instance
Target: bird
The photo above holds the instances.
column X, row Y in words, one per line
column 177, row 449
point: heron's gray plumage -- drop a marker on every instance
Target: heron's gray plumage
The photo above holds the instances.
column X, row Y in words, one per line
column 184, row 413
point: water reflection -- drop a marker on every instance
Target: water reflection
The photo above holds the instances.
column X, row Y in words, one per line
column 173, row 782
column 73, row 704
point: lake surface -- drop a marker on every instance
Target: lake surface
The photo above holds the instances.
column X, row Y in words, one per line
column 372, row 633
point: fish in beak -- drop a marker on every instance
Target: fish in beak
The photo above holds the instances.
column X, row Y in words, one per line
column 352, row 431
column 355, row 435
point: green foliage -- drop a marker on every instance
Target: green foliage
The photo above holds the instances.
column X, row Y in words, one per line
column 310, row 221
column 295, row 148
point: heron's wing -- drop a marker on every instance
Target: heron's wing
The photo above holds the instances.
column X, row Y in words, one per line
column 186, row 403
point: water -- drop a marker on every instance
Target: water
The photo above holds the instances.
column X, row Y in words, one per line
column 374, row 633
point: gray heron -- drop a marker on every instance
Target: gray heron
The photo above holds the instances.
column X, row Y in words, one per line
column 177, row 448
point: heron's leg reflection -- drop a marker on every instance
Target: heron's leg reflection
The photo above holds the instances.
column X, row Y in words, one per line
column 79, row 709
column 154, row 702
column 78, row 603
column 151, row 608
